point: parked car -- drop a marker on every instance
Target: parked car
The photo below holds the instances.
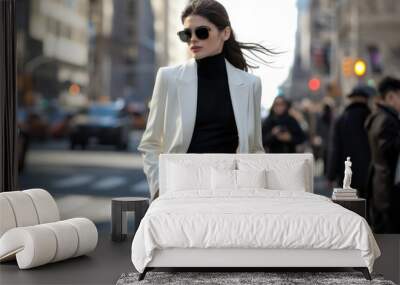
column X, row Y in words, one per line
column 60, row 125
column 137, row 110
column 106, row 124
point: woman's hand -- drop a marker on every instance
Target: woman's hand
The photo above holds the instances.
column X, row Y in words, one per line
column 276, row 130
column 284, row 136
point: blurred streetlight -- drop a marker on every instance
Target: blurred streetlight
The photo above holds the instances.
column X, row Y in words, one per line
column 360, row 67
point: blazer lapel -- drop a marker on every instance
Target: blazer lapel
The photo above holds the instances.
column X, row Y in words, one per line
column 239, row 90
column 187, row 96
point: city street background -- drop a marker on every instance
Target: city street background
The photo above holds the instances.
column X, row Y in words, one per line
column 86, row 71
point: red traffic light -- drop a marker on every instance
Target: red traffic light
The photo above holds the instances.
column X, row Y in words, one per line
column 314, row 84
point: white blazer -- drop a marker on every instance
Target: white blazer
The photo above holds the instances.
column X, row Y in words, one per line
column 172, row 115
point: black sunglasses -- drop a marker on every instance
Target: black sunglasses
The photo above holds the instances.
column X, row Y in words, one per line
column 201, row 33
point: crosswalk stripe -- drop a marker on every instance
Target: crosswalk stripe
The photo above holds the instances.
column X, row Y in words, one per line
column 73, row 181
column 109, row 183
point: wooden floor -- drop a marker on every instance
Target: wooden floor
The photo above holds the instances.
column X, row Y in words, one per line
column 111, row 259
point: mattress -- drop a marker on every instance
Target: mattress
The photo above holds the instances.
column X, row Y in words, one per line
column 251, row 219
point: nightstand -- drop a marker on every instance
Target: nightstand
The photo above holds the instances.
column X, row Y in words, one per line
column 358, row 206
column 119, row 207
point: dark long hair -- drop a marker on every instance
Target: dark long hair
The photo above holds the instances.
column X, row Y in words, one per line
column 287, row 102
column 215, row 12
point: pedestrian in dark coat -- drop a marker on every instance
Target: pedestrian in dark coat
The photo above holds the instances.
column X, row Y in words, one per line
column 281, row 132
column 323, row 130
column 349, row 138
column 384, row 137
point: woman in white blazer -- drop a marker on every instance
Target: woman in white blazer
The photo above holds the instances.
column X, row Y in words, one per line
column 173, row 107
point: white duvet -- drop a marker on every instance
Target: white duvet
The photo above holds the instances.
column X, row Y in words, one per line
column 252, row 218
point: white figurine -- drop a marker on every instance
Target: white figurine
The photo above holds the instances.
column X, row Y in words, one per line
column 347, row 174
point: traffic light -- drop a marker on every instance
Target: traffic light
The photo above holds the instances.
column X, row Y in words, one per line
column 360, row 67
column 314, row 84
column 347, row 66
column 351, row 67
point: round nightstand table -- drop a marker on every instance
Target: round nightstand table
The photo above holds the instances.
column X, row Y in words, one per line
column 119, row 208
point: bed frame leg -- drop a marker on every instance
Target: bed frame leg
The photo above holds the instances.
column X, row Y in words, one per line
column 364, row 271
column 143, row 274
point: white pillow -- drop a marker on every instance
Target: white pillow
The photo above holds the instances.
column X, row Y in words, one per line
column 281, row 174
column 236, row 179
column 251, row 178
column 295, row 181
column 188, row 175
column 223, row 179
column 183, row 178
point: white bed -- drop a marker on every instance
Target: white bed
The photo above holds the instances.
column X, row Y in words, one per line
column 281, row 225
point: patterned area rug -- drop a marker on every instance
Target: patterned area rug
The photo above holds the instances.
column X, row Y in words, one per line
column 275, row 278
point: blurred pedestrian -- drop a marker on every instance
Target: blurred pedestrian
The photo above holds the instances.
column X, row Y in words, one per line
column 23, row 143
column 309, row 109
column 375, row 100
column 281, row 131
column 320, row 142
column 349, row 138
column 384, row 137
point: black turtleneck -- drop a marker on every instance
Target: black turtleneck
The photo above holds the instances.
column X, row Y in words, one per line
column 215, row 128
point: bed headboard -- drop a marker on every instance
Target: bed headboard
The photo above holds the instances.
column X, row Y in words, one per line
column 278, row 161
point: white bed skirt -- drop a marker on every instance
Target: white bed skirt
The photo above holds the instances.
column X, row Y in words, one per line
column 193, row 257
